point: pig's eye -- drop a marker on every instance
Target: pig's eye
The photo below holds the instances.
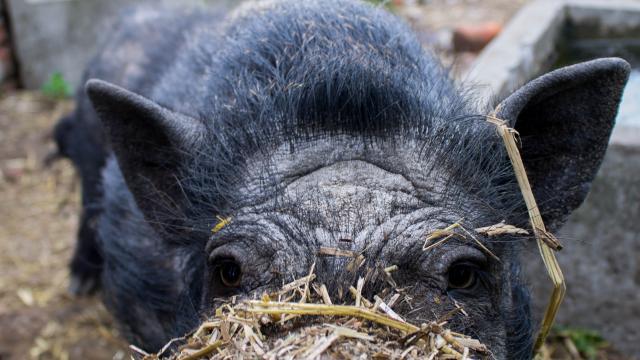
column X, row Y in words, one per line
column 230, row 274
column 462, row 276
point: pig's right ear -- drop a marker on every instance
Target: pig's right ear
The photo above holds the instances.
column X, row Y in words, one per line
column 150, row 143
column 564, row 119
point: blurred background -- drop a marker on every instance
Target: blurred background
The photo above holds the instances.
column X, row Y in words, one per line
column 497, row 45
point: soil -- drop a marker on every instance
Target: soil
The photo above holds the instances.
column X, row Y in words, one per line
column 38, row 217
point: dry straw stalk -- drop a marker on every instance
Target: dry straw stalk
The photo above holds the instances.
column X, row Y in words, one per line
column 546, row 242
column 303, row 324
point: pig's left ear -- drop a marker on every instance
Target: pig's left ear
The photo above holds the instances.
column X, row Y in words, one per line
column 150, row 143
column 564, row 119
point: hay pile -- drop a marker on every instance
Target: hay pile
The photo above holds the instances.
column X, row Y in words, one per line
column 300, row 322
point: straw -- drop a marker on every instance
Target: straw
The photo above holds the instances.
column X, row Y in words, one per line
column 546, row 242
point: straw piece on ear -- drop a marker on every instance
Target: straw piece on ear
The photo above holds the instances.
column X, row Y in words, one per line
column 539, row 230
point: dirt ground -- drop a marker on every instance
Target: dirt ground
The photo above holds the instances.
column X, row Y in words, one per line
column 38, row 217
column 39, row 207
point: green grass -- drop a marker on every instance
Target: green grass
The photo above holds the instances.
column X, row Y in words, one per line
column 588, row 342
column 56, row 87
column 386, row 3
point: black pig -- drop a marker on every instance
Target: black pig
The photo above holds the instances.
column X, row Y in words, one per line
column 310, row 123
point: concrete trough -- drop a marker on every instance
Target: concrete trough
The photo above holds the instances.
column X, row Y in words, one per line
column 601, row 259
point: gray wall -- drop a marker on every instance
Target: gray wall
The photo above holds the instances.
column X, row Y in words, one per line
column 3, row 33
column 601, row 255
column 61, row 35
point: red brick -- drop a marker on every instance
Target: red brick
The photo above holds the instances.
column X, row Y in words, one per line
column 474, row 37
column 3, row 33
column 5, row 53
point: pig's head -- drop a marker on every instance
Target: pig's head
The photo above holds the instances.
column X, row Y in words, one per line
column 369, row 160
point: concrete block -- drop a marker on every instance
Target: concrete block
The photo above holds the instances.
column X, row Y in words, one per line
column 522, row 51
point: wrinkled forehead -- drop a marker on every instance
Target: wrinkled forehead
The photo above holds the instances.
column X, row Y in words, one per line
column 381, row 200
column 345, row 190
column 341, row 162
column 347, row 200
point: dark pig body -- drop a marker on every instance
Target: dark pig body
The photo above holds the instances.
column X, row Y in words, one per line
column 145, row 44
column 308, row 123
